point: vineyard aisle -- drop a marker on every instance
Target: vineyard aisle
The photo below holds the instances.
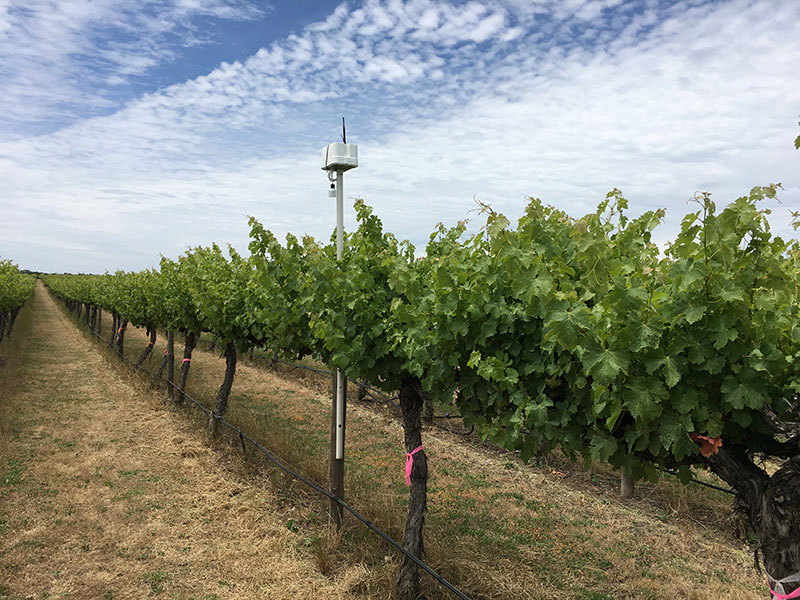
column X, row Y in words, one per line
column 104, row 495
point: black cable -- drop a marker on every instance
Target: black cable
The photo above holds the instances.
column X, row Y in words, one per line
column 326, row 373
column 382, row 396
column 294, row 365
column 697, row 481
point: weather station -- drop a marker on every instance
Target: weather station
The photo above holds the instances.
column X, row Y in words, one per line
column 337, row 158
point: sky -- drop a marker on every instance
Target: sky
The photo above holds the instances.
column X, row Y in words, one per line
column 131, row 130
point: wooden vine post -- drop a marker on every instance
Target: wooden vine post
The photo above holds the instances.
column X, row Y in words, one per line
column 626, row 485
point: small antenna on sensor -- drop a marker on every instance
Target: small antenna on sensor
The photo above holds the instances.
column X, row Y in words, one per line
column 344, row 133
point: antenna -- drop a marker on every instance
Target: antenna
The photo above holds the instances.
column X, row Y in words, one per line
column 344, row 133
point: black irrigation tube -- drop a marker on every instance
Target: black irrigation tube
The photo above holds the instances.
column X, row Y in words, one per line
column 327, row 373
column 382, row 397
column 299, row 477
column 697, row 481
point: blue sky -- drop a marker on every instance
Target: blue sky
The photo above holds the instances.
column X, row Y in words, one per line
column 129, row 130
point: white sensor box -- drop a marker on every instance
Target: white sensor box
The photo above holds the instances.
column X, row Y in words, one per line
column 339, row 157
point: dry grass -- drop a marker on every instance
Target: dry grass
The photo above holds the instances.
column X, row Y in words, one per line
column 107, row 495
column 495, row 527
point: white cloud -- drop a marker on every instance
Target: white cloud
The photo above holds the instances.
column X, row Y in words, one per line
column 447, row 102
column 58, row 57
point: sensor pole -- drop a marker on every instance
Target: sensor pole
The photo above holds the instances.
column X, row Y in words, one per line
column 341, row 399
column 336, row 475
column 336, row 159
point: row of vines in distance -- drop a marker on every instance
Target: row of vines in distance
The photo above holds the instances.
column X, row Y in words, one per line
column 576, row 333
column 15, row 288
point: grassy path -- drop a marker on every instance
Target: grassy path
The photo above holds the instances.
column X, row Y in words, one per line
column 104, row 494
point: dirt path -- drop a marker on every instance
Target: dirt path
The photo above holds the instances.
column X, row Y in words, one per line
column 105, row 495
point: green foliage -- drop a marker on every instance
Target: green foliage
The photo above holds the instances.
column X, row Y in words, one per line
column 15, row 287
column 563, row 332
column 276, row 293
column 218, row 290
column 364, row 312
column 180, row 311
column 577, row 333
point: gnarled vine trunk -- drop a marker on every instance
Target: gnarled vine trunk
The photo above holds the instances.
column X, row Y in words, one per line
column 162, row 365
column 170, row 356
column 361, row 393
column 411, row 402
column 123, row 325
column 225, row 389
column 149, row 347
column 191, row 342
column 771, row 507
column 780, row 523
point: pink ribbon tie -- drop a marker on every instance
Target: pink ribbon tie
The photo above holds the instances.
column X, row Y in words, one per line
column 410, row 463
column 189, row 360
column 781, row 585
column 794, row 594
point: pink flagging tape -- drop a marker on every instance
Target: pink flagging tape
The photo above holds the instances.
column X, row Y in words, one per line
column 410, row 463
column 189, row 360
column 166, row 352
column 794, row 594
column 781, row 585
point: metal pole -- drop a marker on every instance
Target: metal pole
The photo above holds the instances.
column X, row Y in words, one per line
column 339, row 213
column 340, row 400
column 340, row 383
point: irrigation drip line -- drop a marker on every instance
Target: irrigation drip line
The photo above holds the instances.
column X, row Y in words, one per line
column 693, row 480
column 294, row 366
column 327, row 373
column 370, row 389
column 244, row 436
